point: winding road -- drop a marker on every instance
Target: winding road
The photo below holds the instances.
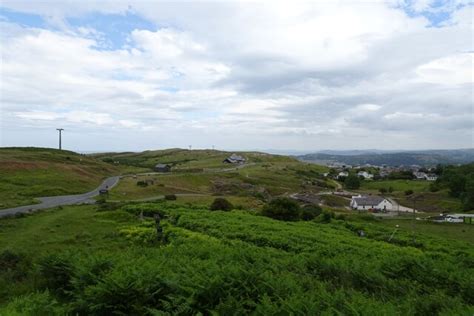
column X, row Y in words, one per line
column 53, row 201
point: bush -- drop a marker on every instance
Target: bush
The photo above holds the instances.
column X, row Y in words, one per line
column 170, row 197
column 352, row 182
column 383, row 190
column 142, row 184
column 310, row 212
column 325, row 217
column 409, row 192
column 282, row 209
column 221, row 204
column 57, row 272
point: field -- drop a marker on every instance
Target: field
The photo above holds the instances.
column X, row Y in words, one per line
column 396, row 185
column 93, row 261
column 27, row 173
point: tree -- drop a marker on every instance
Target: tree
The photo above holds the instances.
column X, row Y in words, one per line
column 352, row 182
column 309, row 212
column 282, row 209
column 468, row 195
column 221, row 204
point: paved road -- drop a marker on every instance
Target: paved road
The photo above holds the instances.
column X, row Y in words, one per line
column 53, row 201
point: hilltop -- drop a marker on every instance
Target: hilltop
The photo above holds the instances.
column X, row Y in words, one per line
column 28, row 172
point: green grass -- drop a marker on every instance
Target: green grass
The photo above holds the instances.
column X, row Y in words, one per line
column 447, row 231
column 397, row 185
column 226, row 263
column 28, row 173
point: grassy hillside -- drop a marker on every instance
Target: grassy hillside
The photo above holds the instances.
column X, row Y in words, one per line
column 225, row 263
column 263, row 177
column 183, row 159
column 27, row 173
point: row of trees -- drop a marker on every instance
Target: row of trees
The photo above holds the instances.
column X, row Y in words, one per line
column 459, row 180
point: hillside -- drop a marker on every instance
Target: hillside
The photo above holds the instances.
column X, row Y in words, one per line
column 183, row 159
column 422, row 158
column 96, row 262
column 203, row 174
column 27, row 173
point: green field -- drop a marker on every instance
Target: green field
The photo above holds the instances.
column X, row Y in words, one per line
column 396, row 185
column 81, row 261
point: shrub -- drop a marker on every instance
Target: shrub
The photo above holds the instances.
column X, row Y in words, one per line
column 310, row 212
column 221, row 204
column 282, row 209
column 352, row 182
column 142, row 184
column 383, row 190
column 325, row 217
column 57, row 272
column 34, row 304
column 170, row 197
column 409, row 192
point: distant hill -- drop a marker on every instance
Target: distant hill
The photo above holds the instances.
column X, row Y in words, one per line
column 422, row 158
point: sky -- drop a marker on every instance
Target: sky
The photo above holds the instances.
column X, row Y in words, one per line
column 261, row 75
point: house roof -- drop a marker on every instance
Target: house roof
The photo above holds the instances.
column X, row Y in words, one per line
column 235, row 157
column 368, row 200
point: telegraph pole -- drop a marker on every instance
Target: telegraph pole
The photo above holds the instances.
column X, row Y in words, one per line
column 60, row 130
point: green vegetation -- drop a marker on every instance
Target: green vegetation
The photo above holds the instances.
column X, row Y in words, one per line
column 221, row 204
column 352, row 182
column 282, row 209
column 460, row 182
column 396, row 185
column 28, row 173
column 103, row 263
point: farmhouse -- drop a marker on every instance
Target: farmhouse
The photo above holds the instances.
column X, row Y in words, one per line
column 419, row 175
column 234, row 159
column 162, row 167
column 431, row 177
column 343, row 174
column 365, row 175
column 370, row 203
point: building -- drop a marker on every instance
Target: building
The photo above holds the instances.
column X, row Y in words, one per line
column 419, row 175
column 343, row 174
column 371, row 203
column 162, row 167
column 234, row 159
column 431, row 177
column 365, row 175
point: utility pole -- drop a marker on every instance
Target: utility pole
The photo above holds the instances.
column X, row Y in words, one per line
column 60, row 130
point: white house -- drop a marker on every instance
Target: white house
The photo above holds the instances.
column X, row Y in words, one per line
column 431, row 177
column 343, row 174
column 365, row 175
column 234, row 159
column 419, row 175
column 371, row 203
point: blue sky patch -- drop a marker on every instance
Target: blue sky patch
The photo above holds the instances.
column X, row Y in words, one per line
column 23, row 19
column 115, row 27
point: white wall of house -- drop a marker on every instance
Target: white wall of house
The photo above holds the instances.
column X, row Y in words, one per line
column 384, row 205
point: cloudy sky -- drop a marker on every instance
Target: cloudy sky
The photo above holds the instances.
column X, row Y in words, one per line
column 126, row 75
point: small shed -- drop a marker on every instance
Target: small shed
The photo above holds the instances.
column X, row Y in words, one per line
column 162, row 167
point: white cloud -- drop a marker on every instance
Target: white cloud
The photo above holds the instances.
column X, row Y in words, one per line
column 454, row 69
column 338, row 71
